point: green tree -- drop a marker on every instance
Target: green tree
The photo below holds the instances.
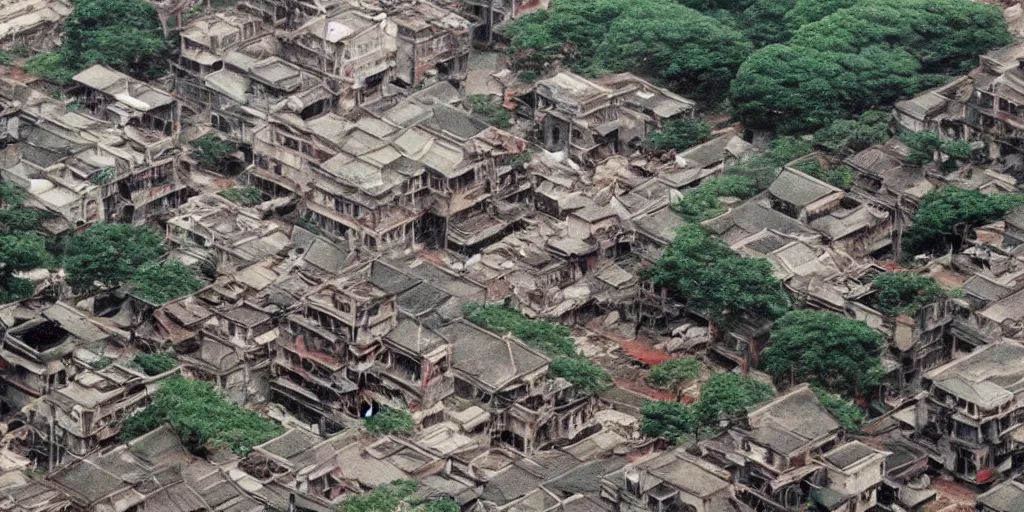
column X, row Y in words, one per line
column 729, row 395
column 680, row 134
column 844, row 410
column 385, row 498
column 838, row 353
column 109, row 254
column 716, row 281
column 864, row 54
column 670, row 420
column 123, row 34
column 14, row 217
column 160, row 282
column 202, row 418
column 900, row 293
column 850, row 136
column 584, row 375
column 674, row 374
column 20, row 252
column 213, row 152
column 947, row 215
column 764, row 22
column 688, row 51
column 702, row 203
column 389, row 421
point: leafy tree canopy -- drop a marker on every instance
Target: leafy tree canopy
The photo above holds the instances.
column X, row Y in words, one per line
column 680, row 134
column 109, row 254
column 123, row 34
column 389, row 497
column 838, row 353
column 723, row 396
column 213, row 152
column 659, row 39
column 160, row 282
column 729, row 395
column 492, row 112
column 389, row 421
column 20, row 252
column 674, row 374
column 202, row 417
column 900, row 293
column 716, row 281
column 862, row 54
column 948, row 214
column 670, row 420
column 581, row 373
column 850, row 136
column 926, row 146
column 702, row 203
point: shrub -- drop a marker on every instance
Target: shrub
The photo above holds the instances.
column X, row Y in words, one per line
column 493, row 113
column 389, row 421
column 154, row 364
column 680, row 134
column 202, row 418
column 212, row 152
column 899, row 293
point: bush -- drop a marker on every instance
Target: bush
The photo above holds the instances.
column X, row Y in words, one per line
column 849, row 416
column 899, row 293
column 389, row 421
column 849, row 136
column 102, row 363
column 680, row 134
column 213, row 152
column 161, row 282
column 839, row 176
column 202, row 418
column 764, row 168
column 581, row 373
column 154, row 364
column 702, row 203
column 493, row 113
column 386, row 498
column 51, row 67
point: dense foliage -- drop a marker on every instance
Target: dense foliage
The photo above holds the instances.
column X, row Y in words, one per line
column 202, row 417
column 490, row 111
column 852, row 135
column 948, row 214
column 764, row 167
column 122, row 34
column 840, row 176
column 724, row 396
column 674, row 374
column 844, row 410
column 390, row 421
column 108, row 255
column 898, row 293
column 154, row 364
column 715, row 281
column 552, row 339
column 868, row 53
column 840, row 354
column 659, row 39
column 389, row 497
column 21, row 248
column 926, row 147
column 213, row 152
column 160, row 282
column 702, row 203
column 680, row 134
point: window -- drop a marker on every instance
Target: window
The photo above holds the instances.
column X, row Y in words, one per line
column 633, row 483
